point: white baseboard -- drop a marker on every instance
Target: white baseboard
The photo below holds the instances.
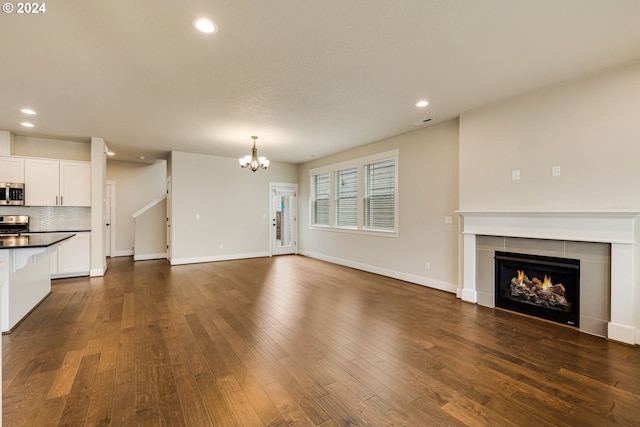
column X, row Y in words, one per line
column 144, row 257
column 96, row 272
column 213, row 258
column 121, row 253
column 411, row 278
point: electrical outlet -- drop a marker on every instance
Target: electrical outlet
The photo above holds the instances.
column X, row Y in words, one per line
column 427, row 265
column 555, row 170
column 515, row 175
column 448, row 219
column 221, row 246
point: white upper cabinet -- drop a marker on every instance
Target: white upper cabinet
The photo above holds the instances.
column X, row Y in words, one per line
column 75, row 183
column 11, row 169
column 57, row 183
column 41, row 182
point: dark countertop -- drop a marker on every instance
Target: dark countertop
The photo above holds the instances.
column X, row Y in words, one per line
column 33, row 241
column 59, row 231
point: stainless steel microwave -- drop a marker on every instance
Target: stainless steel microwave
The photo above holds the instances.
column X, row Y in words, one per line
column 11, row 194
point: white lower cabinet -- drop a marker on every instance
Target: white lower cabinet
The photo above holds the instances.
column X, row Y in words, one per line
column 73, row 257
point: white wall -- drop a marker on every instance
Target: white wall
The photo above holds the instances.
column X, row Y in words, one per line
column 98, row 180
column 137, row 184
column 428, row 191
column 232, row 205
column 587, row 127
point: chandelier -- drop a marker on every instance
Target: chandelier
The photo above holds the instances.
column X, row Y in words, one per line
column 254, row 162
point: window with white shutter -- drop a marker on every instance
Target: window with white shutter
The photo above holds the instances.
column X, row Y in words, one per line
column 357, row 196
column 379, row 195
column 346, row 202
column 320, row 199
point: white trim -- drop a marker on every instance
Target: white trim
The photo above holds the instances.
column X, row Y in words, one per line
column 96, row 272
column 214, row 258
column 148, row 206
column 122, row 253
column 411, row 278
column 145, row 257
column 366, row 231
column 74, row 274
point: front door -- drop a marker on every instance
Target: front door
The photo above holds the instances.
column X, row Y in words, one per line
column 284, row 213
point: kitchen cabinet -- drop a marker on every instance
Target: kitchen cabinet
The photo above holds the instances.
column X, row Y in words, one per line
column 11, row 169
column 73, row 257
column 57, row 183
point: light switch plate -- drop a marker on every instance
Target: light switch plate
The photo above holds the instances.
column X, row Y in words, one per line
column 555, row 170
column 515, row 175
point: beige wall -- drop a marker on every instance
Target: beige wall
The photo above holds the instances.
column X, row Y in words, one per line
column 587, row 127
column 27, row 146
column 137, row 184
column 428, row 191
column 150, row 235
column 219, row 210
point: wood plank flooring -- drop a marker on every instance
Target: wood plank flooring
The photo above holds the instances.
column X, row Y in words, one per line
column 295, row 341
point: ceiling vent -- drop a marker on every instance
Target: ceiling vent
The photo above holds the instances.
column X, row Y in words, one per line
column 423, row 121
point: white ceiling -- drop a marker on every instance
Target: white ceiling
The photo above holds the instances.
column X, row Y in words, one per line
column 310, row 78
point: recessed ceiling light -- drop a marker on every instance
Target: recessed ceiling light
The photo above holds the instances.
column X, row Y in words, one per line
column 422, row 103
column 205, row 25
column 27, row 124
column 110, row 153
column 28, row 111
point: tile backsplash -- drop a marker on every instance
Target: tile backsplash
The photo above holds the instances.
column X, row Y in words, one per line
column 52, row 218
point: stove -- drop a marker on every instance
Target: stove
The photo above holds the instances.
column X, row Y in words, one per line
column 13, row 224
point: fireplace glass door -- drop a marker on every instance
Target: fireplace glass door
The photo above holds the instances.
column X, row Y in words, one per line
column 545, row 287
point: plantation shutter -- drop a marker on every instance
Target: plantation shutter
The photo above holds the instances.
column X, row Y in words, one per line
column 320, row 204
column 347, row 198
column 379, row 195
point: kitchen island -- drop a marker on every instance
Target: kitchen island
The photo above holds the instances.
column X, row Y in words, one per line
column 26, row 274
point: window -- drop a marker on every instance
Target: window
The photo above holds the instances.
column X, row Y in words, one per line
column 358, row 196
column 320, row 199
column 346, row 203
column 379, row 195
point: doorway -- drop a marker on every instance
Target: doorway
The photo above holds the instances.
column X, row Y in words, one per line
column 283, row 207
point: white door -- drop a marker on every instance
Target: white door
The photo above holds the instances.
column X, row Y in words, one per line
column 110, row 217
column 169, row 219
column 284, row 218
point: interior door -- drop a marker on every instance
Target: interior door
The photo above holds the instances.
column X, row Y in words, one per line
column 169, row 219
column 109, row 226
column 284, row 221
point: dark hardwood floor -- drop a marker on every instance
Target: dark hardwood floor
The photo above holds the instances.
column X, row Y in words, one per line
column 295, row 341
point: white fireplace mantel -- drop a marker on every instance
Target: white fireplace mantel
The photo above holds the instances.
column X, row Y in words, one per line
column 620, row 228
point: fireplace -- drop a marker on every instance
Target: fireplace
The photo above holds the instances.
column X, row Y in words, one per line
column 540, row 286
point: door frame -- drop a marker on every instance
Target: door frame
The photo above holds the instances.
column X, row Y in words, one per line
column 273, row 187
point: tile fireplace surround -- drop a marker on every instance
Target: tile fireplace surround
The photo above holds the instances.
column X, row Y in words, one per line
column 620, row 229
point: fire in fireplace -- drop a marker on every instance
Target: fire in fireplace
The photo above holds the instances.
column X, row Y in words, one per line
column 541, row 286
